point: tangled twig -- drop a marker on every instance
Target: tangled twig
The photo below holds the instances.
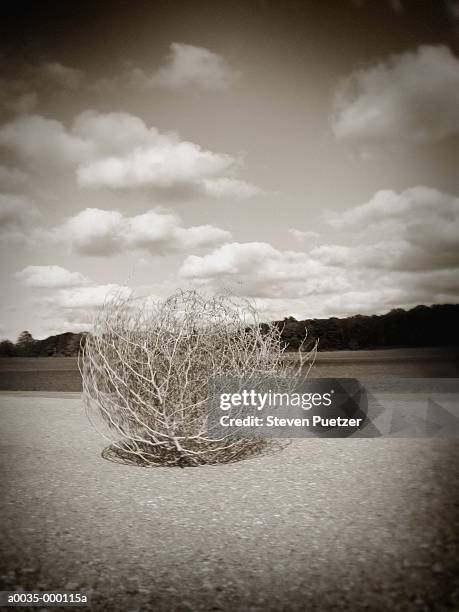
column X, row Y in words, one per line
column 146, row 368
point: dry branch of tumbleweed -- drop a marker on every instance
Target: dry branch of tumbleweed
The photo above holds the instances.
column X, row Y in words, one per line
column 146, row 370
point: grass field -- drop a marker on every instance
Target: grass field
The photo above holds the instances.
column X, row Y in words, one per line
column 61, row 373
column 39, row 374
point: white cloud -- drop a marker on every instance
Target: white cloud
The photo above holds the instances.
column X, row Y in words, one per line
column 263, row 270
column 36, row 138
column 415, row 229
column 234, row 258
column 387, row 206
column 56, row 326
column 229, row 187
column 398, row 249
column 403, row 250
column 74, row 308
column 188, row 65
column 342, row 304
column 70, row 300
column 85, row 297
column 369, row 300
column 118, row 150
column 115, row 133
column 107, row 232
column 411, row 97
column 383, row 206
column 50, row 277
column 93, row 232
column 128, row 154
column 164, row 163
column 304, row 236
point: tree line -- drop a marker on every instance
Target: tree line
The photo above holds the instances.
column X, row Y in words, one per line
column 61, row 345
column 421, row 326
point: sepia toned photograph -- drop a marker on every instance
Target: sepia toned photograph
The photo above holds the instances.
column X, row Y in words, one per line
column 229, row 314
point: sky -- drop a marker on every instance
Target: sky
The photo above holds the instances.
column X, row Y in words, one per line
column 301, row 154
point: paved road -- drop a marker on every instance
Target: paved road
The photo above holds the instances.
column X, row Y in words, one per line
column 323, row 525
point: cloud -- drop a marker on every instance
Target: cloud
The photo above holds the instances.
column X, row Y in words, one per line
column 370, row 300
column 402, row 250
column 344, row 303
column 119, row 151
column 263, row 270
column 35, row 138
column 99, row 232
column 16, row 95
column 229, row 187
column 115, row 133
column 301, row 235
column 74, row 308
column 65, row 76
column 70, row 299
column 415, row 229
column 17, row 216
column 85, row 297
column 398, row 249
column 22, row 85
column 12, row 176
column 128, row 154
column 234, row 258
column 56, row 326
column 164, row 163
column 188, row 65
column 410, row 98
column 50, row 277
column 22, row 104
column 387, row 206
column 93, row 232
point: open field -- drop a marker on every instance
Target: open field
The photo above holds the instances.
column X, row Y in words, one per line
column 39, row 374
column 61, row 373
column 404, row 363
column 323, row 525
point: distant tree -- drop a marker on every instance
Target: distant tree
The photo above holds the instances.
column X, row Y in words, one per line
column 24, row 337
column 25, row 344
column 6, row 348
column 73, row 345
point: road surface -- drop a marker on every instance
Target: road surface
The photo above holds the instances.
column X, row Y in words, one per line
column 353, row 524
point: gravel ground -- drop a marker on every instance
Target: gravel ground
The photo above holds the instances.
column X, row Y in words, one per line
column 349, row 524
